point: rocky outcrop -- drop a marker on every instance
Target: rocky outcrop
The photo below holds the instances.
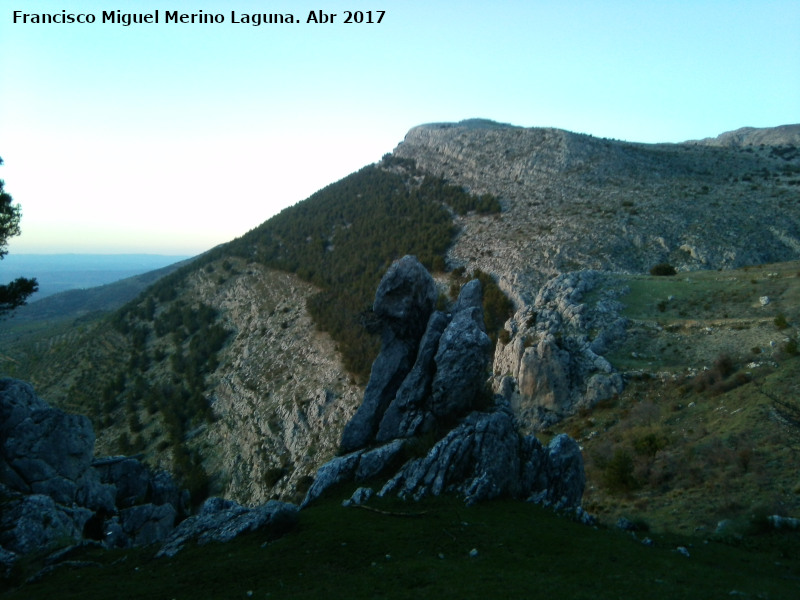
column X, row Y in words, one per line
column 431, row 366
column 476, row 452
column 484, row 457
column 405, row 299
column 554, row 363
column 55, row 493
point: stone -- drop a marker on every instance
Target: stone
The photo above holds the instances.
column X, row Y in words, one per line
column 556, row 353
column 480, row 454
column 337, row 470
column 147, row 524
column 7, row 561
column 470, row 296
column 406, row 414
column 43, row 450
column 461, row 365
column 778, row 522
column 129, row 476
column 485, row 458
column 376, row 461
column 34, row 522
column 359, row 497
column 388, row 372
column 56, row 494
column 404, row 301
column 223, row 520
column 405, row 298
column 95, row 495
column 565, row 472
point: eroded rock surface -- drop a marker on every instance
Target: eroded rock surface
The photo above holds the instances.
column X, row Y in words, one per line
column 477, row 453
column 54, row 493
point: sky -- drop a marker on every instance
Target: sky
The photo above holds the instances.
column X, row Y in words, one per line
column 171, row 138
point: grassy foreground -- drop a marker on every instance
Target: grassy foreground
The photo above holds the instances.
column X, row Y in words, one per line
column 520, row 551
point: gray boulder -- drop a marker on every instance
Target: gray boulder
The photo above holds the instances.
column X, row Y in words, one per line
column 566, row 478
column 485, row 458
column 480, row 455
column 129, row 476
column 406, row 415
column 388, row 372
column 222, row 520
column 94, row 494
column 449, row 371
column 333, row 472
column 43, row 450
column 357, row 466
column 147, row 524
column 55, row 494
column 405, row 298
column 461, row 363
column 7, row 561
column 470, row 296
column 35, row 523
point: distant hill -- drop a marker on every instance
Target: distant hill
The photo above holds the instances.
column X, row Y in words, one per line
column 785, row 135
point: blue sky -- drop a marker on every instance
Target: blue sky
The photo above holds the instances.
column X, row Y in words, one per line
column 172, row 138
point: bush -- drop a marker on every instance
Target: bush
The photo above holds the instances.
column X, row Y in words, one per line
column 649, row 444
column 618, row 472
column 663, row 270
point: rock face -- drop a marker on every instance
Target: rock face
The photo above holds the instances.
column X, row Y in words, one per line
column 479, row 453
column 55, row 493
column 554, row 363
column 405, row 299
column 578, row 202
column 484, row 457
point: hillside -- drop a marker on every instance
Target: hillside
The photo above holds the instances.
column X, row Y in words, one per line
column 574, row 202
column 438, row 549
column 252, row 410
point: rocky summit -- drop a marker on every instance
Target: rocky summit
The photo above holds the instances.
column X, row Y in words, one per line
column 433, row 390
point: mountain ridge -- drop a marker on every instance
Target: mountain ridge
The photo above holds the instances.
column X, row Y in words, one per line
column 570, row 203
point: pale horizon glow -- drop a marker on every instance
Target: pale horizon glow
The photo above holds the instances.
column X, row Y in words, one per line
column 174, row 138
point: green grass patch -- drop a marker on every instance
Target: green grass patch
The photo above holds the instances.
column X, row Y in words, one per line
column 523, row 551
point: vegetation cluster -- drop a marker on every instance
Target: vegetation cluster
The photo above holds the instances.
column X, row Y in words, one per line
column 344, row 237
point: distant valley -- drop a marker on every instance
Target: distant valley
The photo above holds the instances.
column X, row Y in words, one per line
column 62, row 272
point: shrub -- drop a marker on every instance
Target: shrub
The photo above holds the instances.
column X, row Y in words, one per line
column 781, row 322
column 649, row 444
column 618, row 472
column 663, row 270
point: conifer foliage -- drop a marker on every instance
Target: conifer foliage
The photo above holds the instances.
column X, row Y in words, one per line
column 344, row 237
column 16, row 292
